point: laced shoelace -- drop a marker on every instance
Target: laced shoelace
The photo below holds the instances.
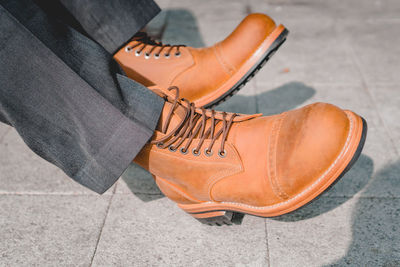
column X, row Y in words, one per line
column 143, row 40
column 194, row 124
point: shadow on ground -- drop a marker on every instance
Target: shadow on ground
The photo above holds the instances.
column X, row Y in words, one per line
column 375, row 220
column 176, row 26
column 283, row 98
column 375, row 223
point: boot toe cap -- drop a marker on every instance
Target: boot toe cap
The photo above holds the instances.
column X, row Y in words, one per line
column 309, row 141
column 257, row 23
column 246, row 38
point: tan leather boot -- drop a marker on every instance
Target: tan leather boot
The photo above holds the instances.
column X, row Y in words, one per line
column 219, row 70
column 219, row 165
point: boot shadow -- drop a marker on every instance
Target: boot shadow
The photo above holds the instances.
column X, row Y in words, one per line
column 283, row 98
column 176, row 26
column 141, row 183
column 375, row 222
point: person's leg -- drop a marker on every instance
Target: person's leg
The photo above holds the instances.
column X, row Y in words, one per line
column 112, row 23
column 70, row 107
column 84, row 56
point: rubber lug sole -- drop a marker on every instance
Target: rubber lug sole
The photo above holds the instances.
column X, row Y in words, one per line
column 224, row 218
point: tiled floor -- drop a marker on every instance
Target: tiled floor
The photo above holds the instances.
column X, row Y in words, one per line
column 343, row 52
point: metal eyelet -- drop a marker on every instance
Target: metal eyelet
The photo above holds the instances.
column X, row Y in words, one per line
column 208, row 153
column 183, row 151
column 156, row 56
column 172, row 149
column 128, row 49
column 166, row 55
column 137, row 53
column 222, row 154
column 159, row 145
column 177, row 54
column 196, row 152
column 146, row 55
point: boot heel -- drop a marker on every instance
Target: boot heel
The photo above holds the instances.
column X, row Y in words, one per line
column 219, row 217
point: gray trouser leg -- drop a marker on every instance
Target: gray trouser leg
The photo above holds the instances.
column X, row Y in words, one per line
column 67, row 99
column 112, row 23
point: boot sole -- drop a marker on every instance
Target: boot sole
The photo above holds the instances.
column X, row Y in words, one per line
column 248, row 69
column 232, row 213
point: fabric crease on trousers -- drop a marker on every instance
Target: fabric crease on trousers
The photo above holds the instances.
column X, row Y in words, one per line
column 65, row 95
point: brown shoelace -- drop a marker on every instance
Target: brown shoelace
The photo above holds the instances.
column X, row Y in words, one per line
column 143, row 40
column 194, row 124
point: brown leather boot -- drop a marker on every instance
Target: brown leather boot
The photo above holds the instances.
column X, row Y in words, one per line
column 219, row 70
column 217, row 166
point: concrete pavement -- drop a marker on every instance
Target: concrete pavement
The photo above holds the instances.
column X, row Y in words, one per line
column 345, row 53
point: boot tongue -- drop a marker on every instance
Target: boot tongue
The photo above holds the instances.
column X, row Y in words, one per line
column 144, row 38
column 175, row 119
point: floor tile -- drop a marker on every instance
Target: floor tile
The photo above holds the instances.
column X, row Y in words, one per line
column 319, row 10
column 374, row 52
column 4, row 129
column 158, row 233
column 312, row 53
column 330, row 231
column 50, row 230
column 22, row 171
column 387, row 98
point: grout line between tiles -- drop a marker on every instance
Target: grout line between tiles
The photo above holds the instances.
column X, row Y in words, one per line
column 267, row 243
column 102, row 226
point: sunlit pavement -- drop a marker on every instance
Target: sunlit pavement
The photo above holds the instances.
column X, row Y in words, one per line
column 343, row 52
